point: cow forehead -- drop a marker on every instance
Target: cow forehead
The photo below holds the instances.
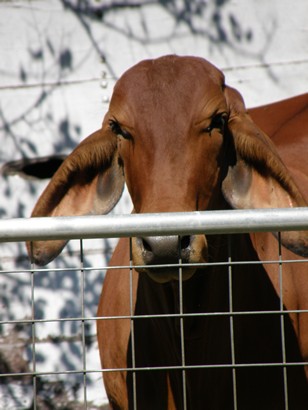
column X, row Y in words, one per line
column 173, row 67
column 169, row 83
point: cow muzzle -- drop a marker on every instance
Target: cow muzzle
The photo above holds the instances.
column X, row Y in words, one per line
column 164, row 258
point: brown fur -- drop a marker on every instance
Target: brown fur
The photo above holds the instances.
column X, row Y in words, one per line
column 173, row 159
column 254, row 146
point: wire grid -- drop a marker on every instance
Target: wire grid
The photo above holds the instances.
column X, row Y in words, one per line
column 282, row 312
column 84, row 369
column 69, row 337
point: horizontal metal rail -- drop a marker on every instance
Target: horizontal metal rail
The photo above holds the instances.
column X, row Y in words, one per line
column 178, row 223
column 154, row 316
column 157, row 368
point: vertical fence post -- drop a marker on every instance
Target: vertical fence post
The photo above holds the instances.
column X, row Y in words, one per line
column 132, row 331
column 282, row 327
column 233, row 358
column 83, row 336
column 33, row 334
column 183, row 362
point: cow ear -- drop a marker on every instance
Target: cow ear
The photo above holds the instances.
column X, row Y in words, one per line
column 257, row 177
column 89, row 181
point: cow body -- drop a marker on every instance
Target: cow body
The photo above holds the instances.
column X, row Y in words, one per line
column 182, row 141
column 207, row 339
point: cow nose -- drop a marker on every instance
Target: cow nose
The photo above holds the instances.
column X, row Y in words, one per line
column 165, row 249
column 169, row 250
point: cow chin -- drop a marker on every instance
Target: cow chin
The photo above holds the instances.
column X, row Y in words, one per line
column 162, row 275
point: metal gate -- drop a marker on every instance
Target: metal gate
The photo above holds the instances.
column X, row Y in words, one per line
column 47, row 385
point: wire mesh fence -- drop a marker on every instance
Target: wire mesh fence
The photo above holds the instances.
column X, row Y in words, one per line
column 67, row 337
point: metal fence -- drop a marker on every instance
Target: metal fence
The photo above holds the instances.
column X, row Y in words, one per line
column 213, row 222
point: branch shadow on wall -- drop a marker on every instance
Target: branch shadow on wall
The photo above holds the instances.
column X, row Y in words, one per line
column 210, row 20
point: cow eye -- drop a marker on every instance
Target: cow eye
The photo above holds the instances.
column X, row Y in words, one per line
column 118, row 130
column 218, row 122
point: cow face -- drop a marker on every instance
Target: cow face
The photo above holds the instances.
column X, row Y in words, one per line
column 170, row 131
column 169, row 117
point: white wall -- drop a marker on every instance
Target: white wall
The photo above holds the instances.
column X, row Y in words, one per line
column 51, row 68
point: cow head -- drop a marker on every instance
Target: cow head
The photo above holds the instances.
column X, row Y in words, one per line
column 182, row 141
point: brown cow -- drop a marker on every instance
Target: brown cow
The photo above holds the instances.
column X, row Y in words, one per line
column 182, row 141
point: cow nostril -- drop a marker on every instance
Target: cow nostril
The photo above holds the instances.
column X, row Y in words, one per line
column 185, row 242
column 146, row 245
